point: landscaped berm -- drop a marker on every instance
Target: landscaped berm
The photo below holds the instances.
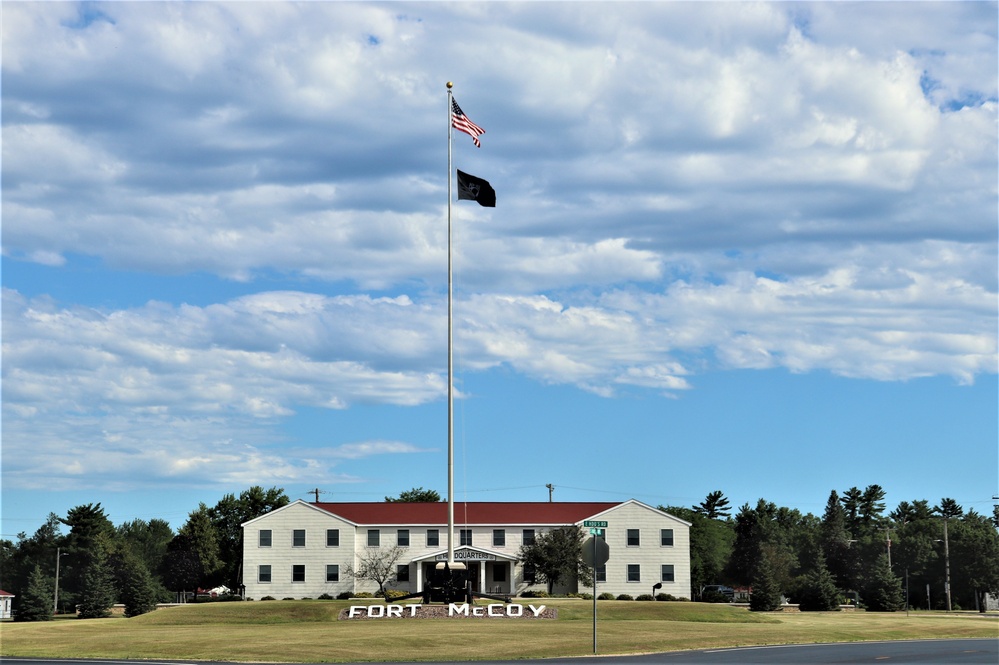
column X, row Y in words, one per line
column 309, row 631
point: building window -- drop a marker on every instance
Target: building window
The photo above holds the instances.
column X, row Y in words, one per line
column 298, row 572
column 332, row 537
column 634, row 540
column 528, row 536
column 499, row 572
column 332, row 572
column 402, row 573
column 466, row 537
column 530, row 574
column 374, row 538
column 666, row 537
column 433, row 538
column 601, row 573
column 298, row 538
column 403, row 537
column 634, row 572
column 668, row 572
column 499, row 537
column 265, row 538
column 264, row 573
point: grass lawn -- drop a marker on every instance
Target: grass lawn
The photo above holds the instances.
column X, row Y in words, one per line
column 308, row 631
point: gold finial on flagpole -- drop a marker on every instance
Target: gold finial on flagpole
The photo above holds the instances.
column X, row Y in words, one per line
column 450, row 85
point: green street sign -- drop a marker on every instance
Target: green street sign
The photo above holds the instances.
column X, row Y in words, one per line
column 596, row 532
column 595, row 523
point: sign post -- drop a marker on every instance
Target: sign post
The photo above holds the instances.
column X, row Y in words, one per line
column 595, row 554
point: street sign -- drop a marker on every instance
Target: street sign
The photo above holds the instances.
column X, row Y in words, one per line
column 597, row 532
column 595, row 523
column 595, row 552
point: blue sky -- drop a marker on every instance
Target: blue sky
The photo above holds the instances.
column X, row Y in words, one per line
column 738, row 247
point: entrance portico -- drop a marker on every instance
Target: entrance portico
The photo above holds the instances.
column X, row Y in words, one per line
column 488, row 570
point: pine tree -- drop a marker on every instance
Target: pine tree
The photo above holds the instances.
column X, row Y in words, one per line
column 766, row 593
column 137, row 590
column 98, row 594
column 819, row 592
column 35, row 604
column 883, row 591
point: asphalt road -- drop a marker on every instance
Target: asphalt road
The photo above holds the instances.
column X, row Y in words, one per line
column 912, row 652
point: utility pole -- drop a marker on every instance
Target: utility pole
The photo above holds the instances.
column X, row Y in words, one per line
column 946, row 564
column 55, row 597
column 888, row 539
column 551, row 489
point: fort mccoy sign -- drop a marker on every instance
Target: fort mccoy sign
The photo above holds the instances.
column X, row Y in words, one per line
column 450, row 611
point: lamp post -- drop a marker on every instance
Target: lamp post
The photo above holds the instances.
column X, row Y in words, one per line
column 946, row 565
column 55, row 597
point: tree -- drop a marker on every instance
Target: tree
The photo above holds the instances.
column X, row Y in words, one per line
column 948, row 508
column 378, row 566
column 883, row 590
column 89, row 528
column 851, row 508
column 974, row 552
column 714, row 507
column 834, row 541
column 416, row 495
column 817, row 589
column 229, row 514
column 98, row 593
column 766, row 592
column 137, row 588
column 557, row 557
column 871, row 506
column 35, row 603
column 203, row 540
column 181, row 568
column 710, row 546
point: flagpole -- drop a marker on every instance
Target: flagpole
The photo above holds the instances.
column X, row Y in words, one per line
column 450, row 353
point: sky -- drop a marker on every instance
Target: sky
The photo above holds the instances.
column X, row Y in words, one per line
column 745, row 247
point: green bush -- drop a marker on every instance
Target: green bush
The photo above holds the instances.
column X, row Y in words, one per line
column 668, row 596
column 362, row 594
column 287, row 598
column 268, row 598
column 535, row 594
column 714, row 597
column 392, row 594
column 325, row 596
column 625, row 596
column 606, row 595
column 585, row 596
column 343, row 595
column 645, row 596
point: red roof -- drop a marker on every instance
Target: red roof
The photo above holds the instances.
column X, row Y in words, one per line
column 4, row 593
column 523, row 512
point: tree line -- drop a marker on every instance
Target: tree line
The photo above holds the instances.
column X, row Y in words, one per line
column 855, row 552
column 139, row 563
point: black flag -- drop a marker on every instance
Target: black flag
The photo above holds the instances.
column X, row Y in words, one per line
column 476, row 189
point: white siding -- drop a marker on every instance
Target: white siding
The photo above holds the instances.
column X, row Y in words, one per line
column 281, row 556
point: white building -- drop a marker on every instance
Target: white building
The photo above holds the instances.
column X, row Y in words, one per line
column 6, row 600
column 303, row 550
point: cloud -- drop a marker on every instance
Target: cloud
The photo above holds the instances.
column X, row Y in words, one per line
column 682, row 187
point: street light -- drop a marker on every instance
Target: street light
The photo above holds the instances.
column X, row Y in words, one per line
column 55, row 598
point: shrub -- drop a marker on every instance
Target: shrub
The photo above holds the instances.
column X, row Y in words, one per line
column 714, row 597
column 392, row 594
column 585, row 596
column 325, row 596
column 644, row 596
column 530, row 593
column 625, row 596
column 343, row 595
column 606, row 595
column 362, row 594
column 287, row 598
column 669, row 597
column 268, row 598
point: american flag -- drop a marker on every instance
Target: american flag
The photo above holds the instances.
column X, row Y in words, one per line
column 461, row 122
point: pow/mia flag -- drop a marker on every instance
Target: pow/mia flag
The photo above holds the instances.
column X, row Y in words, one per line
column 476, row 189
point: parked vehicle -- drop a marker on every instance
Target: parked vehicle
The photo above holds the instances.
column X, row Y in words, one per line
column 717, row 593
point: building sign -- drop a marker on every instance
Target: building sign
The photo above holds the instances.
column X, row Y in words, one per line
column 451, row 611
column 468, row 555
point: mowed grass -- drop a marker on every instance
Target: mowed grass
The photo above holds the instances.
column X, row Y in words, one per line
column 308, row 631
